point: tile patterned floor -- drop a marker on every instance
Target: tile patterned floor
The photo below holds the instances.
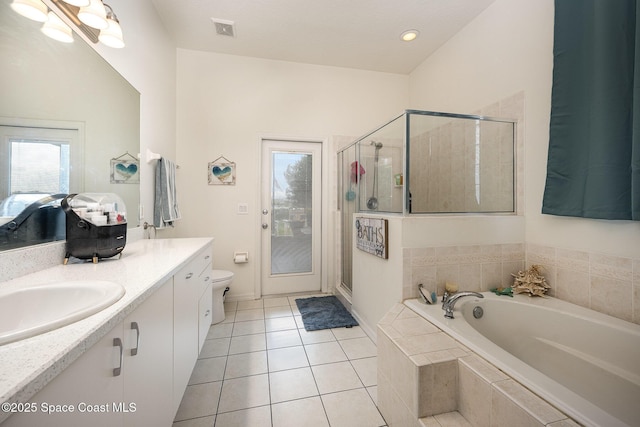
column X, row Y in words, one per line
column 261, row 368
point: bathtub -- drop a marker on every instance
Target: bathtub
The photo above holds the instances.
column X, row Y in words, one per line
column 584, row 363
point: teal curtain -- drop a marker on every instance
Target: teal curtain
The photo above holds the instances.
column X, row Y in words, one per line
column 593, row 168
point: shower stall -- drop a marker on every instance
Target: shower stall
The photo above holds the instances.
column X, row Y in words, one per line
column 426, row 163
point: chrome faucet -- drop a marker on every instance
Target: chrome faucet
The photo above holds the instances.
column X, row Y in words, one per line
column 450, row 302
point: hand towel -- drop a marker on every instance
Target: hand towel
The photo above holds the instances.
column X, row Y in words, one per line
column 166, row 203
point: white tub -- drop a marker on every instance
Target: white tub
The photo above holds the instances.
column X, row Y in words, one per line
column 584, row 363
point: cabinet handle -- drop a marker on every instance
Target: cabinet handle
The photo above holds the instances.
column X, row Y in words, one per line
column 117, row 342
column 207, row 257
column 206, row 314
column 135, row 327
column 189, row 276
column 206, row 279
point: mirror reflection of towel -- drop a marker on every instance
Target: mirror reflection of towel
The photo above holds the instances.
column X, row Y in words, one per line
column 166, row 204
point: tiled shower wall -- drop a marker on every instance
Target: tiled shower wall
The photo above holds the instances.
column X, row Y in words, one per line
column 603, row 283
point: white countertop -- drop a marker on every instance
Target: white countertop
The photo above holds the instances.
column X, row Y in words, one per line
column 26, row 366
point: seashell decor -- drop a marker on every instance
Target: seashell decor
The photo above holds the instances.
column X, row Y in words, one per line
column 531, row 281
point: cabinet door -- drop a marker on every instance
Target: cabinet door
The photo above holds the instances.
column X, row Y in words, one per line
column 205, row 314
column 148, row 361
column 186, row 294
column 88, row 386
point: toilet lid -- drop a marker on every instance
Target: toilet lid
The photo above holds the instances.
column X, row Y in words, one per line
column 220, row 275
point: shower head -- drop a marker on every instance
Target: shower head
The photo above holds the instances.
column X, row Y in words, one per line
column 378, row 145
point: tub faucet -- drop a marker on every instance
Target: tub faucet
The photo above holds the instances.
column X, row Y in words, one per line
column 448, row 305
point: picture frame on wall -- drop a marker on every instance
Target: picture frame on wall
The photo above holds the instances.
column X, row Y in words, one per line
column 125, row 169
column 372, row 236
column 221, row 171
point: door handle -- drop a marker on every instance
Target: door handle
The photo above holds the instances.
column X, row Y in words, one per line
column 117, row 342
column 265, row 225
column 134, row 326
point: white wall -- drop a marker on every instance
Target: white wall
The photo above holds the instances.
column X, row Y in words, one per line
column 148, row 62
column 227, row 103
column 507, row 49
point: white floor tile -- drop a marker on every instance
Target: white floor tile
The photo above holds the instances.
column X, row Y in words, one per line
column 279, row 339
column 367, row 370
column 245, row 364
column 280, row 323
column 353, row 408
column 347, row 333
column 215, row 347
column 197, row 422
column 264, row 371
column 254, row 417
column 314, row 337
column 271, row 312
column 229, row 317
column 247, row 343
column 292, row 384
column 249, row 327
column 358, row 348
column 299, row 321
column 251, row 304
column 244, row 393
column 253, row 314
column 221, row 330
column 276, row 302
column 332, row 377
column 373, row 392
column 199, row 400
column 287, row 358
column 208, row 370
column 326, row 352
column 291, row 414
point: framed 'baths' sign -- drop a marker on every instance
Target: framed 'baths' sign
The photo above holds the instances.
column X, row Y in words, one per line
column 372, row 236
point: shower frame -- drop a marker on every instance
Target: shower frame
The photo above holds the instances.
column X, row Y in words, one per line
column 406, row 145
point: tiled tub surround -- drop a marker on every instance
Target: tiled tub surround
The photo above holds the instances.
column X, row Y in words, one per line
column 474, row 267
column 604, row 283
column 423, row 373
column 28, row 365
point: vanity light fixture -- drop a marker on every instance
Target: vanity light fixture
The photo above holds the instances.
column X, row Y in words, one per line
column 32, row 9
column 57, row 29
column 409, row 35
column 112, row 35
column 78, row 3
column 94, row 15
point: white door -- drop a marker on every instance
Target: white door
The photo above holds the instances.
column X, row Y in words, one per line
column 291, row 217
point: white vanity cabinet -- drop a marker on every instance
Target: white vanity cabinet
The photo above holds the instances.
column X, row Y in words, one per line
column 189, row 283
column 125, row 379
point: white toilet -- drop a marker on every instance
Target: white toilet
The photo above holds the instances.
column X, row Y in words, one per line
column 220, row 281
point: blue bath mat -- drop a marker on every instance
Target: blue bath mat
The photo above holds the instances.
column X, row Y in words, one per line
column 324, row 313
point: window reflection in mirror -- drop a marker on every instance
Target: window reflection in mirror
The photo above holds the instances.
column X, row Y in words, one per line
column 53, row 85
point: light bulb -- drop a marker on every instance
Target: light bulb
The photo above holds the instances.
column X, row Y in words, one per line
column 32, row 9
column 112, row 35
column 94, row 15
column 57, row 29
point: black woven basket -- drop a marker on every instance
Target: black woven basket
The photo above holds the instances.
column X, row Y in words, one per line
column 86, row 240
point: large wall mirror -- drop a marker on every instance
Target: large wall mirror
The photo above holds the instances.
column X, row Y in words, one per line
column 65, row 115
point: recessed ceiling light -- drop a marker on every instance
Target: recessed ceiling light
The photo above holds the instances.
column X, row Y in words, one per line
column 409, row 35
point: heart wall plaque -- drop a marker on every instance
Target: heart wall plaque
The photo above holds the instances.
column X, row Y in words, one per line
column 124, row 171
column 221, row 172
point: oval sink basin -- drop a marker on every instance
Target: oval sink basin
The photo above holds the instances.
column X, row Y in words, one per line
column 33, row 310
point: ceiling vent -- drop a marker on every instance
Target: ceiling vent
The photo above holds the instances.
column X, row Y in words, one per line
column 224, row 28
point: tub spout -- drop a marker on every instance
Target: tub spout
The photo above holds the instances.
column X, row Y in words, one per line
column 451, row 302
